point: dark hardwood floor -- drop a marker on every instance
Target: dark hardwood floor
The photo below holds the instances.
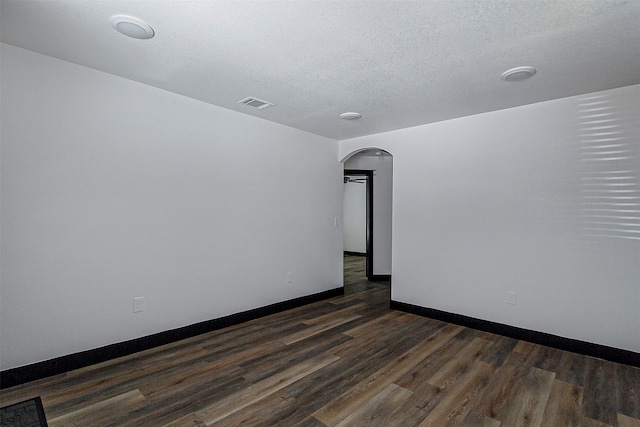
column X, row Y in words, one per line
column 347, row 361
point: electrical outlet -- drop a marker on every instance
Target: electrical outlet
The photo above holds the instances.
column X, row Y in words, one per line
column 511, row 298
column 138, row 304
column 289, row 277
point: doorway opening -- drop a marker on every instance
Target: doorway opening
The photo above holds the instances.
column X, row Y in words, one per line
column 367, row 218
column 358, row 216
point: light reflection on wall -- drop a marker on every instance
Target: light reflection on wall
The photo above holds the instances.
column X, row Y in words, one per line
column 610, row 161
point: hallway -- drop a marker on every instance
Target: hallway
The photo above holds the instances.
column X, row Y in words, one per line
column 355, row 279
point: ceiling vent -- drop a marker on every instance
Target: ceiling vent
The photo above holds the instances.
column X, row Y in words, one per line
column 257, row 103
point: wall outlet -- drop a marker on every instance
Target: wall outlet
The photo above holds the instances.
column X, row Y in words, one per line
column 511, row 298
column 138, row 304
column 289, row 277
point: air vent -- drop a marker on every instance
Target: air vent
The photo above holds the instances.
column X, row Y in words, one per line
column 257, row 103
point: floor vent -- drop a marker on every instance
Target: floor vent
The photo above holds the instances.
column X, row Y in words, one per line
column 257, row 103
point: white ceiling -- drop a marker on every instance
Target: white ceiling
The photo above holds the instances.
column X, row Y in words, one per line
column 398, row 63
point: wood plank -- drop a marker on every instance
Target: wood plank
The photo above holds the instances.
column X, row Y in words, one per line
column 272, row 362
column 246, row 397
column 320, row 388
column 319, row 328
column 563, row 407
column 30, row 390
column 460, row 397
column 423, row 400
column 476, row 419
column 309, row 422
column 392, row 332
column 219, row 348
column 354, row 345
column 378, row 410
column 625, row 421
column 74, row 396
column 599, row 401
column 346, row 403
column 419, row 374
column 190, row 420
column 499, row 350
column 243, row 355
column 547, row 358
column 371, row 295
column 455, row 368
column 83, row 387
column 469, row 334
column 525, row 347
column 628, row 390
column 528, row 404
column 164, row 405
column 589, row 422
column 332, row 315
column 256, row 413
column 374, row 324
column 200, row 376
column 505, row 383
column 571, row 368
column 98, row 413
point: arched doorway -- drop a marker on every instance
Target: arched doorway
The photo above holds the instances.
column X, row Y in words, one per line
column 367, row 229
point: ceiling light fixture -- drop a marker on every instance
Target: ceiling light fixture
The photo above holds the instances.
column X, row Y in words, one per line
column 132, row 27
column 517, row 74
column 350, row 116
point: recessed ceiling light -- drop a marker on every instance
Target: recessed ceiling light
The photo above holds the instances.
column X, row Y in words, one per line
column 132, row 27
column 350, row 116
column 518, row 73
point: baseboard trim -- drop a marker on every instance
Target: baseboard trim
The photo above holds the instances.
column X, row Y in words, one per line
column 59, row 365
column 611, row 354
column 355, row 253
column 380, row 278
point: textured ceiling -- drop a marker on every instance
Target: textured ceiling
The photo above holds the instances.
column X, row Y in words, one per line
column 398, row 63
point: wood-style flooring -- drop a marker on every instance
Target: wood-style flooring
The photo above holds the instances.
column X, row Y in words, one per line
column 347, row 361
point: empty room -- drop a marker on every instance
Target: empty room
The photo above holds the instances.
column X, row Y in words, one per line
column 320, row 213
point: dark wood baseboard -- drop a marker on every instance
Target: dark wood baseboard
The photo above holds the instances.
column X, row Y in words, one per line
column 355, row 253
column 582, row 347
column 36, row 371
column 380, row 278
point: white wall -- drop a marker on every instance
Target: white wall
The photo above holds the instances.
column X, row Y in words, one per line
column 112, row 189
column 382, row 206
column 354, row 216
column 504, row 201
